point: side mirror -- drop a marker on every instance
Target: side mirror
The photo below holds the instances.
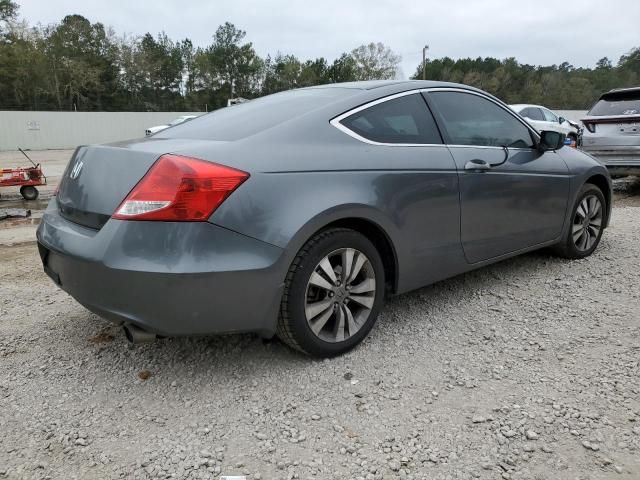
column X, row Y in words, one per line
column 561, row 120
column 550, row 141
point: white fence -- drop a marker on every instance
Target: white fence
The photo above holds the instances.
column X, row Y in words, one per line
column 52, row 130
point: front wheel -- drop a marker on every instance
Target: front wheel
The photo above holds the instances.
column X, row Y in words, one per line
column 587, row 224
column 333, row 293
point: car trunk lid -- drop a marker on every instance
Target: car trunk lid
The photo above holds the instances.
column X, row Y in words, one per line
column 99, row 177
column 612, row 130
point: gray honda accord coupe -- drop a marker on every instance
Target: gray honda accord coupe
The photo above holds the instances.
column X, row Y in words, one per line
column 296, row 214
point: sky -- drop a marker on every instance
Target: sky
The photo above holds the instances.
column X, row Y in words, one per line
column 541, row 32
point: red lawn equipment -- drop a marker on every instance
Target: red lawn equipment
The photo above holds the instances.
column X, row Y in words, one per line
column 25, row 177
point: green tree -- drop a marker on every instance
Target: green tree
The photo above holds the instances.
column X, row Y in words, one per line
column 280, row 73
column 343, row 69
column 81, row 59
column 375, row 61
column 556, row 86
column 229, row 68
column 76, row 64
column 8, row 12
column 314, row 72
column 23, row 71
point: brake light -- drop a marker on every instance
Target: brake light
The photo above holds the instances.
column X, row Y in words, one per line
column 180, row 189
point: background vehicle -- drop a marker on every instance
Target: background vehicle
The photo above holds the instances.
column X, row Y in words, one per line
column 322, row 201
column 177, row 121
column 541, row 118
column 612, row 131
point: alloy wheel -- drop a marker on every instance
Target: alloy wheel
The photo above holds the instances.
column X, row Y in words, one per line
column 587, row 223
column 340, row 295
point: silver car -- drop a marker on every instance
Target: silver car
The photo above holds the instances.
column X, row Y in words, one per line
column 297, row 213
column 612, row 131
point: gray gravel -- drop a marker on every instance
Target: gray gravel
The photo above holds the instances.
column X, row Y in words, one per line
column 528, row 369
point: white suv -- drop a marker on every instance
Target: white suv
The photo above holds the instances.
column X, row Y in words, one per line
column 541, row 118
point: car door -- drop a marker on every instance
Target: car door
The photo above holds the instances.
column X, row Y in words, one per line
column 414, row 182
column 553, row 122
column 512, row 197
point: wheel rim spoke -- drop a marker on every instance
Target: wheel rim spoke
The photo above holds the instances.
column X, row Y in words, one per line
column 584, row 240
column 318, row 323
column 367, row 285
column 582, row 209
column 339, row 332
column 326, row 267
column 363, row 300
column 577, row 231
column 347, row 262
column 590, row 238
column 314, row 309
column 351, row 323
column 359, row 263
column 319, row 281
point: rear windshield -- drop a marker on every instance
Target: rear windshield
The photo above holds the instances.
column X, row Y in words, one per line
column 246, row 119
column 618, row 103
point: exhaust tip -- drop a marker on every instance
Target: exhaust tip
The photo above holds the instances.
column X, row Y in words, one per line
column 136, row 335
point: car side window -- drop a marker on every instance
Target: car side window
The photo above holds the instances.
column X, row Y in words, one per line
column 474, row 120
column 406, row 119
column 549, row 116
column 535, row 114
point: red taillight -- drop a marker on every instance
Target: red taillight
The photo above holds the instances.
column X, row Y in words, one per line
column 180, row 189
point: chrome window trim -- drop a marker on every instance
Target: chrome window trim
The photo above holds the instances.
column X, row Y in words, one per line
column 336, row 120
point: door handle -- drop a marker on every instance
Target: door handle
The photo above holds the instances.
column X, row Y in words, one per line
column 477, row 165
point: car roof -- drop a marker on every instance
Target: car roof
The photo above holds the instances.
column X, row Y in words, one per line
column 528, row 105
column 400, row 85
column 619, row 90
column 301, row 109
column 620, row 93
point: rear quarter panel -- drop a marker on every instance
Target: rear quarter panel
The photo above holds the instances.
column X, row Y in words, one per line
column 411, row 193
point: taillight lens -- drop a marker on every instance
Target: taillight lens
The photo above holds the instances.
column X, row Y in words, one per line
column 180, row 189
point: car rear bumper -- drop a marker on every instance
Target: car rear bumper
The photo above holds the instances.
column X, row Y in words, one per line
column 169, row 278
column 618, row 160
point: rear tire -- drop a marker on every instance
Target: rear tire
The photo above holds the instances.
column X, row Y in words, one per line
column 588, row 218
column 333, row 293
column 29, row 192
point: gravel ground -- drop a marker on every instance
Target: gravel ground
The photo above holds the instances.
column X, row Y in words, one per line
column 528, row 369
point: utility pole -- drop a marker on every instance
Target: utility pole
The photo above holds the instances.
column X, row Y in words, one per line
column 424, row 62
